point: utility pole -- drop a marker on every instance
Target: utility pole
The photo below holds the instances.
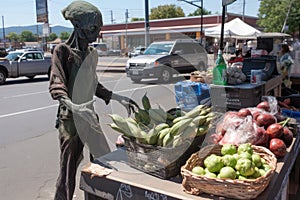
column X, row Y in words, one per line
column 111, row 17
column 225, row 3
column 3, row 30
column 147, row 24
column 37, row 33
column 244, row 4
column 201, row 20
column 126, row 27
column 222, row 27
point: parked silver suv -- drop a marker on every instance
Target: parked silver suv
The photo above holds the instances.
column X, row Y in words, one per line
column 164, row 59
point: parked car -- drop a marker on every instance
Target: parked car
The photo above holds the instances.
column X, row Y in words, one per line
column 24, row 63
column 163, row 59
column 3, row 52
column 102, row 48
column 136, row 51
column 114, row 52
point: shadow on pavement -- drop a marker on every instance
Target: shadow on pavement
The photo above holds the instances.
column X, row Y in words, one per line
column 25, row 80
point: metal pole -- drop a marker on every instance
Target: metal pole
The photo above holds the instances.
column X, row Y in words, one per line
column 37, row 33
column 222, row 28
column 147, row 24
column 126, row 17
column 201, row 22
column 244, row 4
column 111, row 17
column 3, row 29
column 201, row 34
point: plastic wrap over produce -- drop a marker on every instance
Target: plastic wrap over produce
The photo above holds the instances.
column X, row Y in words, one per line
column 247, row 125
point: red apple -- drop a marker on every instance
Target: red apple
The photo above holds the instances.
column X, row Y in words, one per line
column 264, row 105
column 262, row 137
column 255, row 114
column 278, row 147
column 287, row 136
column 244, row 112
column 274, row 131
column 265, row 119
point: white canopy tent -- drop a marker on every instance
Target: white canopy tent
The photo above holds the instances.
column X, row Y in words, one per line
column 235, row 28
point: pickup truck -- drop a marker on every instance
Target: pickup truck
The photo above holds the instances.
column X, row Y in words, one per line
column 24, row 63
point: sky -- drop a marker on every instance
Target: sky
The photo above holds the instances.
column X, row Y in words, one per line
column 23, row 13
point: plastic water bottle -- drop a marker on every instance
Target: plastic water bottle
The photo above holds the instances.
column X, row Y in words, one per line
column 219, row 71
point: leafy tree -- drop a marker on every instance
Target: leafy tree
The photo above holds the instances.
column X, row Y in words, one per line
column 52, row 36
column 13, row 37
column 272, row 14
column 27, row 36
column 136, row 19
column 199, row 11
column 166, row 11
column 64, row 35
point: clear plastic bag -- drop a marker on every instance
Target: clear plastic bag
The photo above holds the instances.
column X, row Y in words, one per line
column 272, row 103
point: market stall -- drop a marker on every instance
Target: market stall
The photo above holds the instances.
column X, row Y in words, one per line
column 124, row 182
column 231, row 140
column 149, row 169
column 235, row 28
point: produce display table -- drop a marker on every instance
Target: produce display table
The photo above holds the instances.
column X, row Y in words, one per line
column 234, row 97
column 123, row 182
column 273, row 86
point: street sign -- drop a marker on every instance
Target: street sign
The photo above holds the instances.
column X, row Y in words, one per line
column 227, row 2
column 46, row 30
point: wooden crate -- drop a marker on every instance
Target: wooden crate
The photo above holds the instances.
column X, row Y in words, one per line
column 273, row 86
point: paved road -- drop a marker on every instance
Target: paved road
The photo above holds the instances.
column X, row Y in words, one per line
column 29, row 153
column 119, row 63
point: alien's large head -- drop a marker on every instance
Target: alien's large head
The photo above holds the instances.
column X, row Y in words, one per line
column 86, row 19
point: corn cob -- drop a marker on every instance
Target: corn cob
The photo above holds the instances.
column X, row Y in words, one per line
column 116, row 128
column 152, row 137
column 122, row 124
column 205, row 111
column 195, row 111
column 200, row 120
column 179, row 126
column 160, row 127
column 142, row 137
column 177, row 119
column 131, row 120
column 202, row 130
column 134, row 129
column 189, row 132
column 161, row 136
column 168, row 140
column 177, row 141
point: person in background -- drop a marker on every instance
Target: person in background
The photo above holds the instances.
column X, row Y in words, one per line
column 286, row 63
column 74, row 82
column 238, row 57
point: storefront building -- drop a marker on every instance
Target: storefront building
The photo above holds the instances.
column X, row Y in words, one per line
column 127, row 36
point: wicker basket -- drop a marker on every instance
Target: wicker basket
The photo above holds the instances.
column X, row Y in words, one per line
column 239, row 189
column 159, row 161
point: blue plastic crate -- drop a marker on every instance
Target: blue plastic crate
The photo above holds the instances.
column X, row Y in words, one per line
column 291, row 113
